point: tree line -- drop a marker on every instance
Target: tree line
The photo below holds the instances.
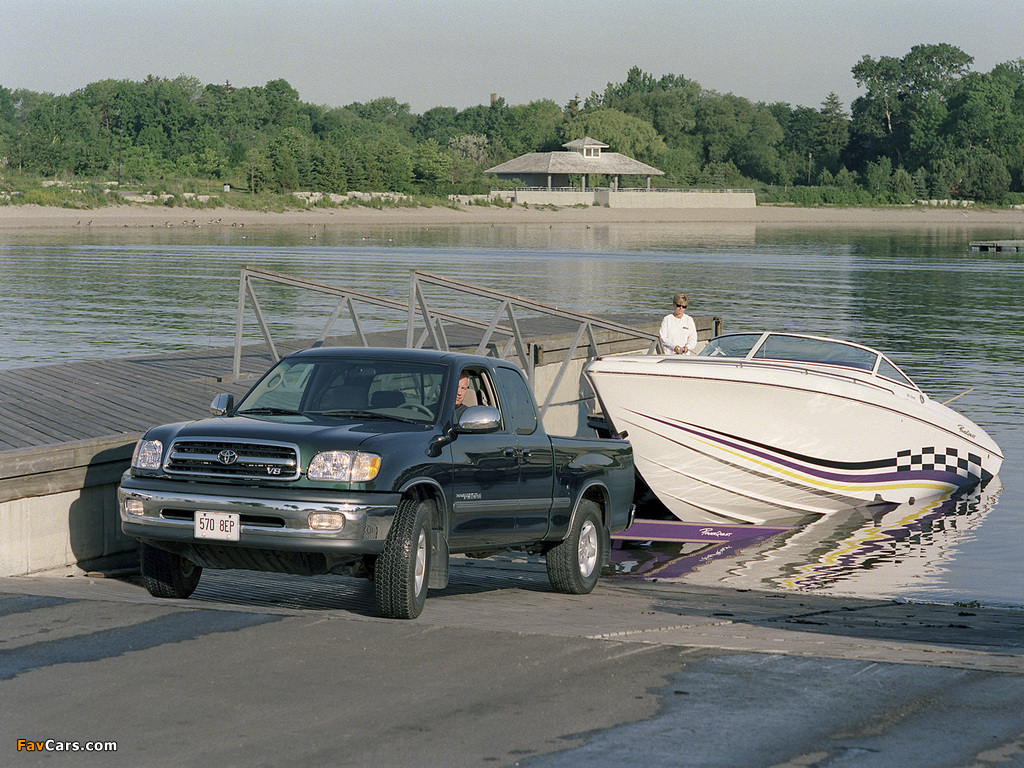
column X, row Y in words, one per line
column 926, row 126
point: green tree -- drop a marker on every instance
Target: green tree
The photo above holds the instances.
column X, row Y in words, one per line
column 327, row 171
column 470, row 148
column 831, row 133
column 282, row 103
column 988, row 113
column 388, row 165
column 532, row 127
column 920, row 184
column 902, row 186
column 439, row 124
column 878, row 177
column 987, row 179
column 431, row 168
column 846, row 179
column 260, row 171
column 896, row 91
column 353, row 164
column 621, row 132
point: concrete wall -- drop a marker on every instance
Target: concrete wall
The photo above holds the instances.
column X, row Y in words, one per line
column 58, row 506
column 639, row 198
column 675, row 198
column 553, row 197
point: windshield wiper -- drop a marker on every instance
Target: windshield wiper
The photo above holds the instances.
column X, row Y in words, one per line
column 268, row 411
column 356, row 414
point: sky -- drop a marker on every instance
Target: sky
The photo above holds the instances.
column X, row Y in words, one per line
column 456, row 53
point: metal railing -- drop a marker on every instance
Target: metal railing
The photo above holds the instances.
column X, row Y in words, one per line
column 426, row 325
column 347, row 298
column 508, row 306
column 701, row 190
column 694, row 190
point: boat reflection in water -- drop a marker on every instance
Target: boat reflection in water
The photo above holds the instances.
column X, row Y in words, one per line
column 866, row 552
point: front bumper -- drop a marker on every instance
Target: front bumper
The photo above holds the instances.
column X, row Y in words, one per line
column 271, row 518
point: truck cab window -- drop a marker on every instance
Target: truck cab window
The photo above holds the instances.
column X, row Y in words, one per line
column 520, row 410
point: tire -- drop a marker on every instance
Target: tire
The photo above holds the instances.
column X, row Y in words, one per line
column 574, row 566
column 167, row 575
column 403, row 568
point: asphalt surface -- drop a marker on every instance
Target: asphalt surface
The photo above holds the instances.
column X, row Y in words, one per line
column 270, row 670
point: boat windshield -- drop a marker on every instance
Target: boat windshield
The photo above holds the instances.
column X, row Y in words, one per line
column 804, row 349
column 733, row 345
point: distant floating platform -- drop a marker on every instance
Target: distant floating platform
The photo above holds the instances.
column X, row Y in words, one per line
column 998, row 245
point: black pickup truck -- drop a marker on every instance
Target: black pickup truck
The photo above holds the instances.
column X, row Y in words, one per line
column 379, row 463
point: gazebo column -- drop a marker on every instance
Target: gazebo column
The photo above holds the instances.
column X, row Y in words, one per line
column 549, row 182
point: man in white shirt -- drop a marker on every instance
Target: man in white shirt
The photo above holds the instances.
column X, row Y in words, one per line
column 678, row 333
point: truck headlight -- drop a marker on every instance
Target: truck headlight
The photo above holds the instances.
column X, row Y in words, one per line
column 148, row 454
column 344, row 466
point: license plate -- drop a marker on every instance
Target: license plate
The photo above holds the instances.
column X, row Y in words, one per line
column 223, row 526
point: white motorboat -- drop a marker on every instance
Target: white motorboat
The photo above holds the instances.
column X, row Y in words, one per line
column 773, row 427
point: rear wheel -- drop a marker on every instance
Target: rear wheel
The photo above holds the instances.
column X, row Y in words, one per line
column 402, row 569
column 165, row 574
column 574, row 566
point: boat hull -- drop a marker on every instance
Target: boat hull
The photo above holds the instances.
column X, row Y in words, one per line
column 769, row 442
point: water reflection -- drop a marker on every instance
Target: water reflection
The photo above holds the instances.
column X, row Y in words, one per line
column 902, row 551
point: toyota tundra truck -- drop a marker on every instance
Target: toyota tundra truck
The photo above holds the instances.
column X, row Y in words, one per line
column 378, row 463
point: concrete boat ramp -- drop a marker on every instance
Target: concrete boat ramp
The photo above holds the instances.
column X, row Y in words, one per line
column 270, row 670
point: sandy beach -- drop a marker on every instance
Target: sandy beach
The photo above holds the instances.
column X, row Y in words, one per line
column 20, row 217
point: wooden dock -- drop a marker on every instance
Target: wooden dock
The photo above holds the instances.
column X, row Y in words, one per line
column 54, row 404
column 998, row 246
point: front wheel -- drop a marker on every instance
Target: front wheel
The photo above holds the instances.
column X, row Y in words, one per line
column 401, row 572
column 165, row 574
column 574, row 566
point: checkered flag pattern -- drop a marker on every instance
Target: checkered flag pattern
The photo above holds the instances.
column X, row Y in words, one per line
column 948, row 460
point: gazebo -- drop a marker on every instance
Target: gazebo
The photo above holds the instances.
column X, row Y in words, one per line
column 583, row 157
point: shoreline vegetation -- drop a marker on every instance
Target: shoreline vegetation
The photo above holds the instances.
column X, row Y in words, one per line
column 25, row 217
column 927, row 129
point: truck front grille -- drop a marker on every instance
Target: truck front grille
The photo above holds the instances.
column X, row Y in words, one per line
column 199, row 457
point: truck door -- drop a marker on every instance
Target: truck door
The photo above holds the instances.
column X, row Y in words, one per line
column 534, row 452
column 485, row 476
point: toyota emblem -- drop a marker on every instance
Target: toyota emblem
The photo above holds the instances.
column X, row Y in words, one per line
column 227, row 456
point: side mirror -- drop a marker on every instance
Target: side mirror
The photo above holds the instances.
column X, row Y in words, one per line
column 221, row 404
column 478, row 419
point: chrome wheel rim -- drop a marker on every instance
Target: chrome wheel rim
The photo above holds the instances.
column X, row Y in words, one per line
column 587, row 559
column 420, row 563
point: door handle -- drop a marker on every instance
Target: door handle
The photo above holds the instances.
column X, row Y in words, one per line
column 509, row 453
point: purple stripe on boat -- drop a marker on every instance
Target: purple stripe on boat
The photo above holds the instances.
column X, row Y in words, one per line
column 868, row 479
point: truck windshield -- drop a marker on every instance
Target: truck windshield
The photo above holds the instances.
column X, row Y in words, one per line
column 335, row 387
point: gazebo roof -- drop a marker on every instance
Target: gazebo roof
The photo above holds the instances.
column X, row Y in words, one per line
column 586, row 141
column 575, row 161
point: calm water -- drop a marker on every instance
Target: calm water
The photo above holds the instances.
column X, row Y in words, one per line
column 951, row 318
